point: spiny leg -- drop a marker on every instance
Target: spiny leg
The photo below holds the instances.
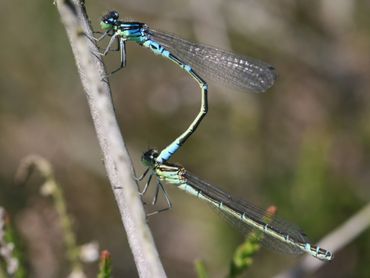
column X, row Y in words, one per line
column 122, row 49
column 118, row 46
column 155, row 197
column 179, row 141
column 98, row 39
column 140, row 178
column 93, row 39
column 111, row 41
column 98, row 54
column 169, row 204
column 146, row 185
column 104, row 34
column 165, row 196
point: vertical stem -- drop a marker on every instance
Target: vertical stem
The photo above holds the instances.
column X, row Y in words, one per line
column 116, row 159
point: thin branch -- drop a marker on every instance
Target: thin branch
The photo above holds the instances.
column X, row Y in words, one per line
column 116, row 159
column 51, row 188
column 335, row 241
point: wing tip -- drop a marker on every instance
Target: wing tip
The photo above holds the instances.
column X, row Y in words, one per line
column 267, row 79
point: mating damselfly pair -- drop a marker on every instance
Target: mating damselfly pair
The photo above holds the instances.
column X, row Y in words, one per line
column 240, row 72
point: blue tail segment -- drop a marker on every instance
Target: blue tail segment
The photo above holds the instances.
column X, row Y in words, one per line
column 167, row 152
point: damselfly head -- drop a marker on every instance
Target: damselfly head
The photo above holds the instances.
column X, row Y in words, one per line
column 111, row 17
column 149, row 157
column 109, row 20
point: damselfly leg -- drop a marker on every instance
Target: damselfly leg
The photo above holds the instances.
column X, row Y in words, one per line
column 159, row 187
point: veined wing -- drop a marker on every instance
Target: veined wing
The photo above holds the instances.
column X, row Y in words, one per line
column 274, row 230
column 237, row 71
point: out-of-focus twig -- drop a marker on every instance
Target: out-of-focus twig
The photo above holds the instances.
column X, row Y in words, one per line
column 51, row 188
column 29, row 164
column 116, row 159
column 335, row 241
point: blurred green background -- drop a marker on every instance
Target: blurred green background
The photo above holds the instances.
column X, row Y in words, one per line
column 303, row 146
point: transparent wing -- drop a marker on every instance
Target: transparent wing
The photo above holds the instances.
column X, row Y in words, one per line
column 256, row 214
column 237, row 71
column 267, row 240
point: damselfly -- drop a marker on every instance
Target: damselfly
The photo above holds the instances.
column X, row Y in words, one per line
column 195, row 59
column 277, row 233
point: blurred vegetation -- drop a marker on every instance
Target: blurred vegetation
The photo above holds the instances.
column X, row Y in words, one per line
column 11, row 257
column 105, row 267
column 242, row 259
column 201, row 269
column 304, row 146
column 74, row 255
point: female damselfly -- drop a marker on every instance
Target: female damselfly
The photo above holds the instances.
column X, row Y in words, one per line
column 195, row 59
column 277, row 234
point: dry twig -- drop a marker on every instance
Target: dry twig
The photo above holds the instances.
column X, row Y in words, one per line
column 116, row 159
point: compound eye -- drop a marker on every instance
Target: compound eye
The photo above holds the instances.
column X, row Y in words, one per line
column 114, row 15
column 111, row 17
column 155, row 154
